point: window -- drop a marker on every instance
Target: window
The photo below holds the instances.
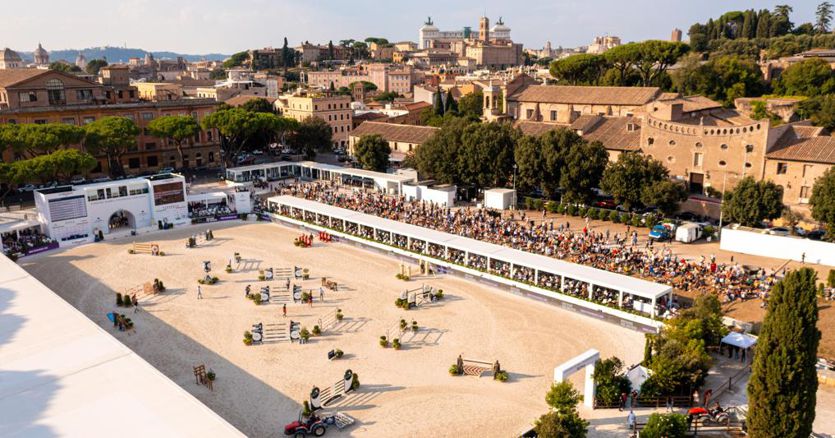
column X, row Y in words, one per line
column 119, row 94
column 672, row 142
column 131, row 94
column 209, row 135
column 806, row 169
column 553, row 115
column 529, row 114
column 724, row 146
column 722, row 163
column 55, row 92
column 85, row 94
column 150, row 146
column 650, row 141
column 68, row 120
column 28, row 96
column 88, row 119
column 211, row 157
column 698, row 157
column 804, row 192
column 40, row 121
column 153, row 161
column 133, row 163
column 782, row 168
column 147, row 116
column 698, row 144
column 749, row 148
column 748, row 165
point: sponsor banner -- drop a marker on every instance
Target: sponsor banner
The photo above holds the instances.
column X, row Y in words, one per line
column 38, row 250
column 229, row 217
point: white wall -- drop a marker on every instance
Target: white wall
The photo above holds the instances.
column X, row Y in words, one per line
column 500, row 199
column 440, row 197
column 412, row 193
column 781, row 247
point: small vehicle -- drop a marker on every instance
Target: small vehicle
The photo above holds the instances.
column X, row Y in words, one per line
column 101, row 179
column 689, row 232
column 779, row 231
column 166, row 170
column 257, row 152
column 315, row 425
column 715, row 415
column 77, row 180
column 662, row 232
column 606, row 203
column 815, row 234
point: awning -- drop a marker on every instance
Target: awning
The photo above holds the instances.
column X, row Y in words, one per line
column 741, row 340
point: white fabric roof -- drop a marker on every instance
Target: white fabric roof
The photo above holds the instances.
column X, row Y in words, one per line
column 631, row 285
column 741, row 340
column 323, row 166
column 62, row 375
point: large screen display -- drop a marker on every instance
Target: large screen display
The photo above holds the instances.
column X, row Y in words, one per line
column 169, row 193
column 64, row 209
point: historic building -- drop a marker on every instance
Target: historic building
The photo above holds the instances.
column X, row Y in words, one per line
column 41, row 56
column 9, row 59
column 335, row 110
column 402, row 139
column 386, row 77
column 47, row 96
column 489, row 47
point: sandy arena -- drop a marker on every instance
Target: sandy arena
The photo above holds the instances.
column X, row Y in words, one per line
column 260, row 388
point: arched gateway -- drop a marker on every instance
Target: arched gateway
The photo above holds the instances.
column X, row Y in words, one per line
column 586, row 360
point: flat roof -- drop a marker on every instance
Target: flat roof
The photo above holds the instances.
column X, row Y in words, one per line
column 323, row 166
column 63, row 375
column 611, row 280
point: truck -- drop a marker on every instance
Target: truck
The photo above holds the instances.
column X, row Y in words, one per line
column 662, row 232
column 689, row 232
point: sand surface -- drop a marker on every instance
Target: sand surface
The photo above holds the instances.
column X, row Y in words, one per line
column 260, row 388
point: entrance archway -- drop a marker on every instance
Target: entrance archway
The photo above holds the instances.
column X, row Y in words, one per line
column 586, row 360
column 121, row 219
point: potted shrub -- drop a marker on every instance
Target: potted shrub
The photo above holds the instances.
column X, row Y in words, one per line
column 305, row 274
column 215, row 280
column 402, row 325
column 306, row 297
column 247, row 338
column 414, row 326
column 304, row 334
column 355, row 382
column 384, row 342
column 338, row 353
column 126, row 301
column 261, row 276
column 614, row 216
column 395, row 343
column 131, row 251
column 316, row 330
column 211, row 375
column 161, row 253
column 561, row 208
column 119, row 299
column 228, row 269
column 453, row 370
column 439, row 295
column 339, row 315
column 501, row 376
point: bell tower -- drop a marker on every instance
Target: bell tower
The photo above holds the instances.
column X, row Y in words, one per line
column 484, row 29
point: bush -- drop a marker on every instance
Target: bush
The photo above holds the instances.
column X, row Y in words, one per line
column 614, row 216
column 636, row 220
column 453, row 370
column 551, row 206
column 594, row 213
column 439, row 295
column 119, row 302
column 561, row 209
column 126, row 301
column 501, row 376
column 339, row 315
column 355, row 382
column 131, row 251
column 306, row 297
column 582, row 211
column 402, row 324
column 306, row 412
column 316, row 330
column 161, row 253
column 665, row 426
column 571, row 210
column 709, row 231
column 414, row 326
column 228, row 269
column 304, row 334
column 211, row 375
column 384, row 342
column 538, row 204
column 528, row 203
column 395, row 343
column 830, row 279
column 623, row 218
column 402, row 303
column 261, row 277
column 338, row 353
column 247, row 338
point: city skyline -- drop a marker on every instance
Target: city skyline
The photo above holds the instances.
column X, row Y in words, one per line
column 259, row 23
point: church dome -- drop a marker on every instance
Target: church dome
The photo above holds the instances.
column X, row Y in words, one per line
column 10, row 55
column 41, row 55
column 40, row 51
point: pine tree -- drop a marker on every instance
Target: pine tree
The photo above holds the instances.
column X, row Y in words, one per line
column 747, row 24
column 438, row 103
column 783, row 384
column 450, row 106
column 764, row 24
column 286, row 57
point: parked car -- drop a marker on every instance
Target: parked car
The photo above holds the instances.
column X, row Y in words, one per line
column 815, row 234
column 27, row 188
column 166, row 170
column 779, row 231
column 606, row 203
column 257, row 152
column 76, row 180
column 101, row 179
column 662, row 232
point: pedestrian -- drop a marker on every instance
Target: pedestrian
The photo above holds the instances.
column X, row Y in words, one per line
column 199, row 293
column 321, row 294
column 284, row 309
column 310, row 298
column 669, row 403
column 695, row 397
column 622, row 401
column 630, row 420
column 135, row 303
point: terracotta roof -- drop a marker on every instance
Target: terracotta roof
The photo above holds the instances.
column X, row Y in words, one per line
column 244, row 98
column 694, row 103
column 416, row 106
column 394, row 132
column 612, row 132
column 587, row 95
column 13, row 76
column 804, row 143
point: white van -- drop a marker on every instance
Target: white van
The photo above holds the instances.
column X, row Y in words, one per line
column 689, row 232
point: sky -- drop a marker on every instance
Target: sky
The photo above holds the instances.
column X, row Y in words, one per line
column 228, row 26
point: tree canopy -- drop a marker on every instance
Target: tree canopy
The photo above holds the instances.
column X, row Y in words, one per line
column 471, row 105
column 666, row 195
column 810, row 77
column 626, row 178
column 751, row 202
column 372, row 152
column 672, row 425
column 241, row 130
column 94, row 66
column 722, row 78
column 312, row 135
column 111, row 136
column 178, row 129
column 783, row 383
column 823, row 201
column 563, row 420
column 259, row 105
column 32, row 139
column 236, row 60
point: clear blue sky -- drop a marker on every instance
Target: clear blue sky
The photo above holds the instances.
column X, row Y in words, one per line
column 202, row 26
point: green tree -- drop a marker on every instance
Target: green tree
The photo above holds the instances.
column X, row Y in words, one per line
column 554, row 425
column 823, row 17
column 366, row 86
column 94, row 66
column 562, row 397
column 723, row 78
column 655, row 57
column 751, row 202
column 236, row 60
column 485, row 158
column 780, row 21
column 622, row 60
column 239, row 129
column 179, row 129
column 60, row 165
column 372, row 152
column 259, row 105
column 32, row 139
column 810, row 77
column 783, row 383
column 313, row 135
column 387, row 96
column 582, row 69
column 438, row 103
column 626, row 178
column 471, row 105
column 823, row 201
column 437, row 157
column 112, row 137
column 64, row 67
column 584, row 164
column 666, row 195
column 610, row 380
column 671, row 425
column 528, row 158
column 820, row 110
column 450, row 106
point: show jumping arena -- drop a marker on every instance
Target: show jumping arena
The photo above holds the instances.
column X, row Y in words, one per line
column 260, row 388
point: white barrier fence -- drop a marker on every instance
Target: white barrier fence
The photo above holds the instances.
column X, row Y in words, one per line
column 757, row 242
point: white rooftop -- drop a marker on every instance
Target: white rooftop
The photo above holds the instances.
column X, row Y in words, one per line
column 63, row 375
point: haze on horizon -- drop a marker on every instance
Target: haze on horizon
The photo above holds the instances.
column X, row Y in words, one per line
column 223, row 26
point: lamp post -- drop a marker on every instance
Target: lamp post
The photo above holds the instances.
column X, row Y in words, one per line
column 514, row 186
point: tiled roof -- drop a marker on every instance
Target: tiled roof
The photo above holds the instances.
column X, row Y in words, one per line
column 694, row 103
column 394, row 132
column 804, row 143
column 587, row 95
column 244, row 98
column 612, row 132
column 13, row 76
column 416, row 106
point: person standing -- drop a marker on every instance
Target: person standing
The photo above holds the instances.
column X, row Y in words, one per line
column 135, row 303
column 284, row 310
column 630, row 420
column 199, row 293
column 321, row 294
column 622, row 401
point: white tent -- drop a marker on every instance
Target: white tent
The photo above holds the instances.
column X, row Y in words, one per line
column 741, row 340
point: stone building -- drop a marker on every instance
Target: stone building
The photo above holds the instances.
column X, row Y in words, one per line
column 386, row 77
column 9, row 59
column 335, row 110
column 41, row 56
column 402, row 139
column 799, row 155
column 47, row 96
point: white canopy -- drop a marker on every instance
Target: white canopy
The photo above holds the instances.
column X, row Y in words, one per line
column 625, row 283
column 741, row 340
column 63, row 375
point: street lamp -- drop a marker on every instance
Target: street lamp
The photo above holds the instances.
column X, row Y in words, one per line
column 514, row 186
